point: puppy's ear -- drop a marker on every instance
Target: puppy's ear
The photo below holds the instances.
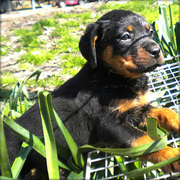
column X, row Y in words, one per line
column 87, row 44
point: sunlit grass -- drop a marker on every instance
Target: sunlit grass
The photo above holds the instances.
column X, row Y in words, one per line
column 53, row 81
column 66, row 30
column 59, row 32
column 7, row 78
column 37, row 57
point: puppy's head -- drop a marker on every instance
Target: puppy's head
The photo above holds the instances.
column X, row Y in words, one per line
column 121, row 41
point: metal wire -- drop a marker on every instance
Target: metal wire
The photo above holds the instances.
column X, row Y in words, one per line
column 166, row 79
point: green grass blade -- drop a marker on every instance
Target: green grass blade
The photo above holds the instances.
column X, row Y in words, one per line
column 173, row 37
column 5, row 166
column 51, row 152
column 167, row 46
column 167, row 33
column 36, row 73
column 5, row 178
column 26, row 105
column 136, row 151
column 153, row 131
column 11, row 97
column 15, row 114
column 29, row 138
column 76, row 176
column 20, row 89
column 20, row 160
column 72, row 165
column 156, row 37
column 139, row 172
column 25, row 92
column 165, row 27
column 18, row 94
column 77, row 156
column 120, row 161
column 25, row 136
column 177, row 31
column 152, row 128
column 15, row 95
column 63, row 152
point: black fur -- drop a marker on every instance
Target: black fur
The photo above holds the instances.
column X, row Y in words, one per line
column 85, row 102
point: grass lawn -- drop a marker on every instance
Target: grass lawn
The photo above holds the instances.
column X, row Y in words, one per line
column 56, row 39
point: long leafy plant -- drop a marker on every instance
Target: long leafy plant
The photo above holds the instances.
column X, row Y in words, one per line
column 166, row 33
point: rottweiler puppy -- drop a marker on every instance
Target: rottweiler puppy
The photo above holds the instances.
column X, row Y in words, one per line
column 107, row 101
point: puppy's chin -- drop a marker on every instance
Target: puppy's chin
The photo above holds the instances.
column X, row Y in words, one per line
column 150, row 69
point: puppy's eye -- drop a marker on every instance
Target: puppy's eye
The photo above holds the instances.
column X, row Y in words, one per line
column 125, row 37
column 151, row 32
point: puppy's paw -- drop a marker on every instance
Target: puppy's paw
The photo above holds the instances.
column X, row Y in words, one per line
column 173, row 120
column 166, row 118
column 162, row 155
column 170, row 153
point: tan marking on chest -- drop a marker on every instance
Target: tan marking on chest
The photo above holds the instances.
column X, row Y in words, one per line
column 127, row 104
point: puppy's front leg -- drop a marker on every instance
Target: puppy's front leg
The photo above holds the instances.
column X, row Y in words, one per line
column 159, row 156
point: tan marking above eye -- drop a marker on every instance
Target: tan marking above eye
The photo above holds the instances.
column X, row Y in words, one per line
column 130, row 28
column 147, row 26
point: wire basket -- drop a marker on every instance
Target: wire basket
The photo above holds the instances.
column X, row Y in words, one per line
column 164, row 83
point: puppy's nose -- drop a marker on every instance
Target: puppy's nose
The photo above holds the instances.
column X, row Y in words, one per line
column 154, row 51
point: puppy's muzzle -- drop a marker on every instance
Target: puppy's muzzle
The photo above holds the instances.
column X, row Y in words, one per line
column 154, row 51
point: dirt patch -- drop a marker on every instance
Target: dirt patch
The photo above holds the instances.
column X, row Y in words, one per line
column 24, row 18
